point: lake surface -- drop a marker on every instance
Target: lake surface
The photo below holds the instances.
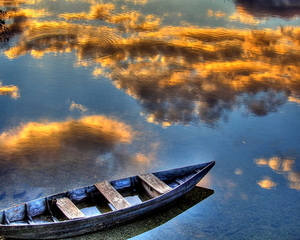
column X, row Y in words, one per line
column 94, row 90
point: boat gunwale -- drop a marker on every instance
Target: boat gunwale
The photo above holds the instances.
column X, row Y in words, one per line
column 132, row 208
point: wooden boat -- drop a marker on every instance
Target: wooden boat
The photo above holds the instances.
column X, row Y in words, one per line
column 148, row 222
column 99, row 206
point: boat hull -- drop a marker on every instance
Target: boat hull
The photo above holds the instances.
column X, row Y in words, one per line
column 97, row 223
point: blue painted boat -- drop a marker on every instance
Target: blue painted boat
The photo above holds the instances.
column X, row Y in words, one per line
column 99, row 206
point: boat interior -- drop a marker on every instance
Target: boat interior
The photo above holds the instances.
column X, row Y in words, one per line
column 100, row 198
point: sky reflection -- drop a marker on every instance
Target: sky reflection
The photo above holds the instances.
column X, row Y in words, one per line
column 284, row 166
column 177, row 83
column 200, row 73
column 36, row 144
column 12, row 91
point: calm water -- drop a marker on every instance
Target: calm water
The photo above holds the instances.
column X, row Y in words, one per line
column 93, row 90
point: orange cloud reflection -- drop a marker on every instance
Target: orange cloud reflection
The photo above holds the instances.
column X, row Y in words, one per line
column 15, row 3
column 283, row 166
column 131, row 20
column 180, row 74
column 267, row 183
column 42, row 142
column 44, row 37
column 10, row 90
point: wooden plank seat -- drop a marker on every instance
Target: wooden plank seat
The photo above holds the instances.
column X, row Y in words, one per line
column 153, row 185
column 112, row 195
column 68, row 208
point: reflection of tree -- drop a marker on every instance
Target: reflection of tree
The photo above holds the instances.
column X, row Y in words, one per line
column 283, row 166
column 278, row 8
column 179, row 74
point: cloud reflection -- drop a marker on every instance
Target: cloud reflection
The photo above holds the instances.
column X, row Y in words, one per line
column 10, row 90
column 274, row 8
column 179, row 74
column 45, row 37
column 41, row 143
column 280, row 165
column 15, row 3
column 77, row 106
column 267, row 183
column 128, row 21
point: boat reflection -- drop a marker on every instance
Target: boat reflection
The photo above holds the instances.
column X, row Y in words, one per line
column 148, row 223
column 180, row 75
column 280, row 165
column 275, row 8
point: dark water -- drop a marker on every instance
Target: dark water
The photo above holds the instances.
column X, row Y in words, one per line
column 94, row 90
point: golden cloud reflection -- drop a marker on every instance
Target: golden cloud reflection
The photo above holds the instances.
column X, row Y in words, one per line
column 129, row 21
column 180, row 74
column 293, row 99
column 267, row 183
column 240, row 15
column 41, row 143
column 243, row 16
column 294, row 180
column 283, row 166
column 15, row 3
column 43, row 37
column 215, row 14
column 10, row 90
column 21, row 19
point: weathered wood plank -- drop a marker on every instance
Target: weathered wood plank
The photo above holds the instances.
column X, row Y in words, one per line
column 155, row 183
column 112, row 195
column 68, row 208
